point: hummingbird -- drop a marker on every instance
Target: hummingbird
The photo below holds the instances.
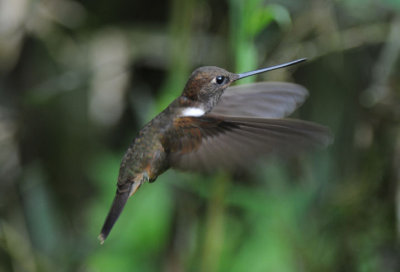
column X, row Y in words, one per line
column 213, row 126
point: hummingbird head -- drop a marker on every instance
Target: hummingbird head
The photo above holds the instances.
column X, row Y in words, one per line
column 206, row 84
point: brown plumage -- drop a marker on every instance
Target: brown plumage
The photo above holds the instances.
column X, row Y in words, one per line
column 206, row 129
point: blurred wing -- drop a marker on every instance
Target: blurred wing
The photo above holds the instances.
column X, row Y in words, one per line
column 264, row 99
column 214, row 142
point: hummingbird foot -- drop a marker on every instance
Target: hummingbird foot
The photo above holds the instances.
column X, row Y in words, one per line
column 138, row 181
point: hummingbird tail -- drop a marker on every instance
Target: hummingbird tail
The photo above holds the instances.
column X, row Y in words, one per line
column 117, row 206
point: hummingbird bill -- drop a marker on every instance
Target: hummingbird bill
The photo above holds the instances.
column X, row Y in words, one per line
column 214, row 126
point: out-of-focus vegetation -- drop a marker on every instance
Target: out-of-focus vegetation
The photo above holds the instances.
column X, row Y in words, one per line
column 79, row 78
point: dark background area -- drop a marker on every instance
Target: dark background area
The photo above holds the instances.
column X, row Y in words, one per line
column 78, row 79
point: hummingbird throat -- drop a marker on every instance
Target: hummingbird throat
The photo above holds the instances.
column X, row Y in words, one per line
column 192, row 111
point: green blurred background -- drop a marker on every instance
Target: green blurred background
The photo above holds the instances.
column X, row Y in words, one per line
column 78, row 79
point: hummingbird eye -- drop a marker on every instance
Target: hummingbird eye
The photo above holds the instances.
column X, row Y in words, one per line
column 220, row 79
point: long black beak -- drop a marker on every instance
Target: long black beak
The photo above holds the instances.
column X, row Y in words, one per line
column 259, row 71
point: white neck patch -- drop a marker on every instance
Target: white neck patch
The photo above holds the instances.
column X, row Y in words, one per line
column 195, row 112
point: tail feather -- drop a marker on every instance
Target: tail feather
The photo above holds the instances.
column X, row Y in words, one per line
column 124, row 191
column 116, row 209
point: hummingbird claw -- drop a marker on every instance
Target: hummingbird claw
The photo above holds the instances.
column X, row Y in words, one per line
column 138, row 182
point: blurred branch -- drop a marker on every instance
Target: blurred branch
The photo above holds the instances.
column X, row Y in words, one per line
column 214, row 228
column 396, row 168
column 16, row 243
column 325, row 43
column 384, row 66
column 150, row 44
column 179, row 49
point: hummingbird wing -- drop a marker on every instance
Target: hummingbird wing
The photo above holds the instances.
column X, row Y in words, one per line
column 212, row 142
column 264, row 99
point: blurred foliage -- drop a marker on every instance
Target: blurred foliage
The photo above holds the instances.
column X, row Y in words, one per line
column 79, row 78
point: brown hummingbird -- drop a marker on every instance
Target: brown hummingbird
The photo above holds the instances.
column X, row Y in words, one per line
column 206, row 128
